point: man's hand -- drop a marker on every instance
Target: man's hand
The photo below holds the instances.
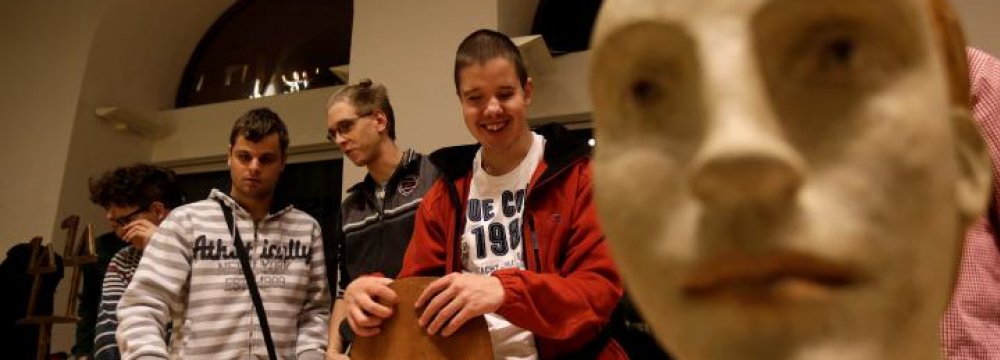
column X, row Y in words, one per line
column 138, row 233
column 335, row 343
column 459, row 297
column 336, row 356
column 369, row 301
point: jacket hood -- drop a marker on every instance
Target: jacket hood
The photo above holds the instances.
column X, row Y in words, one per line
column 562, row 149
column 279, row 205
column 410, row 158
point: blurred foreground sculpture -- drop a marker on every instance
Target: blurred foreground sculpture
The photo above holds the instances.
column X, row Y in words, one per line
column 786, row 179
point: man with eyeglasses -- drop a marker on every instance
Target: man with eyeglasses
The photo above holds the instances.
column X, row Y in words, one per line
column 377, row 215
column 136, row 199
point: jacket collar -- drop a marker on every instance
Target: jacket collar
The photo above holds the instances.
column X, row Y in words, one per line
column 279, row 205
column 410, row 158
column 561, row 150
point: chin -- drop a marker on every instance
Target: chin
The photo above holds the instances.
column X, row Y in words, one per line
column 356, row 158
column 501, row 139
column 256, row 192
column 357, row 162
column 723, row 329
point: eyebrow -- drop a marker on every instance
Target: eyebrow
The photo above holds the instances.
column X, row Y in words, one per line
column 248, row 152
column 501, row 87
column 470, row 91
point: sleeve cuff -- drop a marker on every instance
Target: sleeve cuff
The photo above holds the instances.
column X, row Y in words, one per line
column 315, row 354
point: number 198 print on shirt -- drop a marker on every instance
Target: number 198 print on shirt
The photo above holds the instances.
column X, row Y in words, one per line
column 494, row 228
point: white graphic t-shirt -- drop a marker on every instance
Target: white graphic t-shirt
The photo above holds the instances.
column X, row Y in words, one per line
column 492, row 239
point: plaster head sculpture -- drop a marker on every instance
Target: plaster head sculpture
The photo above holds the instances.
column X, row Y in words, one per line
column 785, row 179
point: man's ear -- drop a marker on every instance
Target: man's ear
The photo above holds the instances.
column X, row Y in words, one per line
column 381, row 121
column 229, row 156
column 529, row 91
column 975, row 170
column 159, row 209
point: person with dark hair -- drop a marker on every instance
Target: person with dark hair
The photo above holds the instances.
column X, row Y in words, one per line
column 135, row 199
column 510, row 227
column 20, row 341
column 377, row 215
column 191, row 275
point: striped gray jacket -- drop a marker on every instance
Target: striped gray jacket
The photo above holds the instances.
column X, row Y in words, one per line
column 116, row 279
column 190, row 275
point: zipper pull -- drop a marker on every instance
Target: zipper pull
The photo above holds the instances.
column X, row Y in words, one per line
column 534, row 243
column 380, row 197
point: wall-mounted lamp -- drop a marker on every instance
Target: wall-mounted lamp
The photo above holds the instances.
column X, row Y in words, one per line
column 123, row 120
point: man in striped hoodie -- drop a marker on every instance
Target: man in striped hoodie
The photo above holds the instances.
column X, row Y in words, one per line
column 137, row 199
column 190, row 274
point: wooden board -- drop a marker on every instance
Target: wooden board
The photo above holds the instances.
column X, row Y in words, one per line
column 402, row 338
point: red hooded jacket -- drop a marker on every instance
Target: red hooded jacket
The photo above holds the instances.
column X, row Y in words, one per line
column 570, row 287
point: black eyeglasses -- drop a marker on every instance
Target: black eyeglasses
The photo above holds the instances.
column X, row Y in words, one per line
column 127, row 218
column 344, row 126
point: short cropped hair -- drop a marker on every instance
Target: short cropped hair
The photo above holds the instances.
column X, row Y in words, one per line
column 137, row 185
column 366, row 97
column 484, row 45
column 258, row 123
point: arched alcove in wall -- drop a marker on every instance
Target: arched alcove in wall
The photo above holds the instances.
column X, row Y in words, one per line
column 264, row 47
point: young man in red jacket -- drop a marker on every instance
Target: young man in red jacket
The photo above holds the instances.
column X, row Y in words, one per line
column 510, row 226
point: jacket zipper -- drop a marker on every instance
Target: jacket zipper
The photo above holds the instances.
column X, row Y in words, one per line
column 380, row 198
column 534, row 244
column 531, row 219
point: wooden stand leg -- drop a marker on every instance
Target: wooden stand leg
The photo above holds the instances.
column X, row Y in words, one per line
column 44, row 336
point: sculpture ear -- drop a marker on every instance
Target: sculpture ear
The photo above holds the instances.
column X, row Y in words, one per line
column 975, row 170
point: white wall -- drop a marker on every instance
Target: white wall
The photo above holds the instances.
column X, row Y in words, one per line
column 136, row 59
column 981, row 20
column 46, row 45
column 136, row 62
column 515, row 17
column 64, row 58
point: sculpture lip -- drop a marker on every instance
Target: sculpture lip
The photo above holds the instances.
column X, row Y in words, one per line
column 768, row 278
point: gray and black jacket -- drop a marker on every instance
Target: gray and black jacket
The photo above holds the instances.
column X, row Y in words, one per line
column 375, row 232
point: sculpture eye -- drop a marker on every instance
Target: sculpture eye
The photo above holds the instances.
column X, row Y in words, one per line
column 645, row 92
column 837, row 56
column 841, row 51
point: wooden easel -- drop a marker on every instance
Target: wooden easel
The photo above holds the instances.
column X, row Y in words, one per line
column 43, row 261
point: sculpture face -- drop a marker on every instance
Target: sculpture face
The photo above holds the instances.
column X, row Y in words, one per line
column 780, row 178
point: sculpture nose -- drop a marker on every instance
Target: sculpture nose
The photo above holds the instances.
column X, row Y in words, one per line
column 744, row 157
column 746, row 177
